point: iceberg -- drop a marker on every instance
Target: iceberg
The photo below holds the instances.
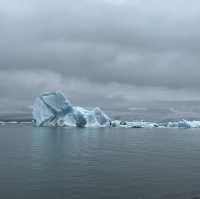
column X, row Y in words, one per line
column 135, row 124
column 53, row 109
column 184, row 124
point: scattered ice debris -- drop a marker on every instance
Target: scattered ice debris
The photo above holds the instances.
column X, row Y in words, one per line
column 53, row 109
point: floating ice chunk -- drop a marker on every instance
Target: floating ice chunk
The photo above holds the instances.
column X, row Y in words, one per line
column 50, row 108
column 134, row 124
column 53, row 109
column 184, row 124
column 117, row 123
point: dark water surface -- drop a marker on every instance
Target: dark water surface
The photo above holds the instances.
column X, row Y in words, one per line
column 100, row 163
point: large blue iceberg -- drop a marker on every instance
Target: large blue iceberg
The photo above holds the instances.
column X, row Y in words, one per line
column 53, row 109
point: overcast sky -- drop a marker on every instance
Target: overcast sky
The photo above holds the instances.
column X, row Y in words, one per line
column 99, row 52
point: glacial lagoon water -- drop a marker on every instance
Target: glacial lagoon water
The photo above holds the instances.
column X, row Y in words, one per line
column 99, row 163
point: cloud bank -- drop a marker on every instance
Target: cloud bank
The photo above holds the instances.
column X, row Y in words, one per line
column 102, row 52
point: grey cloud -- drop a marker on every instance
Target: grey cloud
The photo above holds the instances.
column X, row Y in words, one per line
column 21, row 87
column 137, row 45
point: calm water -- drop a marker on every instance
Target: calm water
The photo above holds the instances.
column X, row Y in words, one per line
column 99, row 163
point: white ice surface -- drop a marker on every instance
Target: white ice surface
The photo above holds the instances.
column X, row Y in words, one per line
column 53, row 109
